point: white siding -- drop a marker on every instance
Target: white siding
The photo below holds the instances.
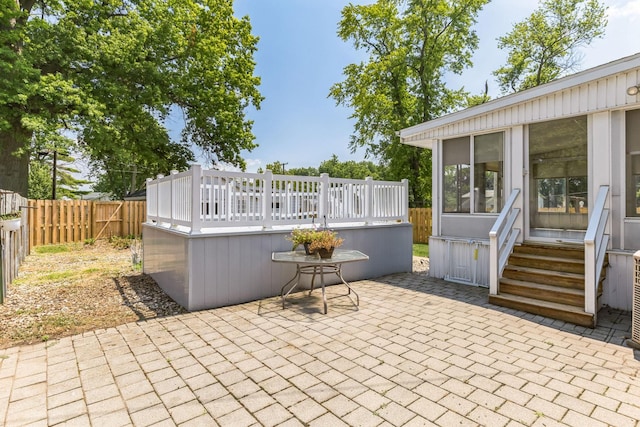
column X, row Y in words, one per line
column 618, row 288
column 602, row 94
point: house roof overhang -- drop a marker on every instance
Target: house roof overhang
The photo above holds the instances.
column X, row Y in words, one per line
column 422, row 135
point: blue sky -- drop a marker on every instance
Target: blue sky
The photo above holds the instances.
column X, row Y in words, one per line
column 300, row 56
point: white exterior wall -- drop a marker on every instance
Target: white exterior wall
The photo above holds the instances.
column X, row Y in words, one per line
column 208, row 271
column 618, row 288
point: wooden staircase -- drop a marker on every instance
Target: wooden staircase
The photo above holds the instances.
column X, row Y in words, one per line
column 546, row 279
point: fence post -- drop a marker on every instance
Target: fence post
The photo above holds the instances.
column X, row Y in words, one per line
column 196, row 203
column 405, row 200
column 323, row 210
column 267, row 200
column 368, row 200
column 155, row 187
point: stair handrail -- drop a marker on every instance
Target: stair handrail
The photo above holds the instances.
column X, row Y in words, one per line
column 595, row 250
column 502, row 238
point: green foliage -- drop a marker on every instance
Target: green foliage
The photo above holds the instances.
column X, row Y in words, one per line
column 104, row 77
column 316, row 239
column 411, row 46
column 335, row 169
column 421, row 249
column 41, row 176
column 52, row 249
column 120, row 242
column 40, row 181
column 545, row 46
column 351, row 169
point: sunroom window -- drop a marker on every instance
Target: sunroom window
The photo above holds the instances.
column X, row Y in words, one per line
column 484, row 174
column 633, row 162
column 488, row 158
column 456, row 180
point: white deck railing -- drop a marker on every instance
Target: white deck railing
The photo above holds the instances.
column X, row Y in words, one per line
column 502, row 238
column 237, row 199
column 595, row 249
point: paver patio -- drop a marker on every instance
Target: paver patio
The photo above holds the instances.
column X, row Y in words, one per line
column 418, row 351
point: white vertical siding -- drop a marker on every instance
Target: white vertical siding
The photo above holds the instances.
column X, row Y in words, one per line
column 618, row 288
column 602, row 94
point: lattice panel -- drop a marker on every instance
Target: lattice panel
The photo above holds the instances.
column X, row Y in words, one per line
column 635, row 317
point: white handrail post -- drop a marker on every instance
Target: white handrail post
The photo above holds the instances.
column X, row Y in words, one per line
column 267, row 200
column 405, row 200
column 595, row 242
column 368, row 200
column 493, row 263
column 196, row 202
column 323, row 211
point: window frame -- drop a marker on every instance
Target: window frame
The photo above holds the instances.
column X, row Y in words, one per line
column 472, row 171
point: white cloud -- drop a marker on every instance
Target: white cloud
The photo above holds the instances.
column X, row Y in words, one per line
column 629, row 10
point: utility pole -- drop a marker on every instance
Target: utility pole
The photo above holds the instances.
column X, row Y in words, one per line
column 55, row 173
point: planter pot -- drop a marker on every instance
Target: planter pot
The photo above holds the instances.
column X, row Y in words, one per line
column 325, row 253
column 307, row 250
column 10, row 224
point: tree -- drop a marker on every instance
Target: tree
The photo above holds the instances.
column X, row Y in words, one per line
column 351, row 169
column 411, row 45
column 42, row 176
column 545, row 45
column 105, row 78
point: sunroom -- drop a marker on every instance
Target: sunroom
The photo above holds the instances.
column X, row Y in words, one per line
column 536, row 195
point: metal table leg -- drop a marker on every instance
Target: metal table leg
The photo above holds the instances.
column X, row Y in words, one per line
column 296, row 277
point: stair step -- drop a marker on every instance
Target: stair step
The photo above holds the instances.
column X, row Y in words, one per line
column 564, row 251
column 570, row 296
column 552, row 310
column 569, row 265
column 545, row 277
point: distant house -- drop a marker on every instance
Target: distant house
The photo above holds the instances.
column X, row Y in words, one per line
column 96, row 196
column 546, row 155
column 137, row 195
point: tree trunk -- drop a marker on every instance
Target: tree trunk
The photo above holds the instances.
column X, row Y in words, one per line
column 14, row 170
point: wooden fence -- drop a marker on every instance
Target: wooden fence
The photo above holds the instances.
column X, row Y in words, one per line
column 68, row 221
column 13, row 243
column 420, row 218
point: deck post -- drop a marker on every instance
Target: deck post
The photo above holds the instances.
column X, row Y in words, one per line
column 368, row 200
column 196, row 202
column 267, row 200
column 405, row 200
column 323, row 211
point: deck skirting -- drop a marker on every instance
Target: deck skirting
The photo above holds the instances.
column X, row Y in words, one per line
column 201, row 271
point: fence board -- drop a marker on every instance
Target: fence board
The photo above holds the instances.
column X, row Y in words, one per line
column 420, row 218
column 13, row 244
column 69, row 221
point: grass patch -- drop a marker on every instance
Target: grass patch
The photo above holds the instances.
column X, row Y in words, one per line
column 421, row 249
column 59, row 276
column 53, row 249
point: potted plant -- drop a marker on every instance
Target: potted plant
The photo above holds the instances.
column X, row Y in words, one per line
column 10, row 221
column 315, row 241
column 301, row 236
column 324, row 242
